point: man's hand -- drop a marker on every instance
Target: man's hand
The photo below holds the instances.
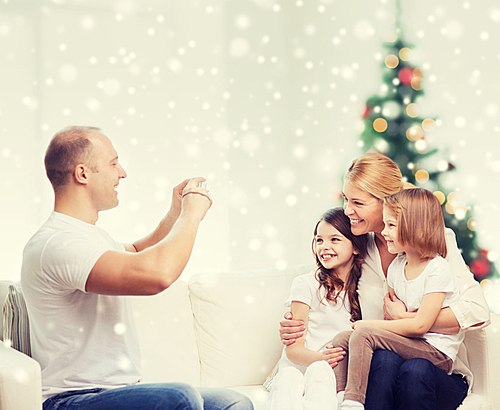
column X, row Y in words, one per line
column 196, row 201
column 290, row 330
column 333, row 355
column 393, row 308
column 176, row 206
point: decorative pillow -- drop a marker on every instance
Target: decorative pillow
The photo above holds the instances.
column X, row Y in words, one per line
column 15, row 321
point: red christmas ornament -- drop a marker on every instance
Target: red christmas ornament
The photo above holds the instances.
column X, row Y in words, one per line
column 481, row 266
column 405, row 75
column 367, row 111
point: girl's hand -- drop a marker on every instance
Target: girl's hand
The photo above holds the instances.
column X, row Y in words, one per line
column 363, row 323
column 333, row 355
column 393, row 308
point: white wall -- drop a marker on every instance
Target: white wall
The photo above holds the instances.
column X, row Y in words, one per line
column 262, row 97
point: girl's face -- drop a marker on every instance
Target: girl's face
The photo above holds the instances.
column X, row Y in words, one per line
column 333, row 249
column 363, row 209
column 390, row 232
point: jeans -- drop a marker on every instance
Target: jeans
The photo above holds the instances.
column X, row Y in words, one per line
column 161, row 396
column 415, row 384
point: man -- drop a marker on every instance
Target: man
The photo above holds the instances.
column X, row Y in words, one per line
column 75, row 278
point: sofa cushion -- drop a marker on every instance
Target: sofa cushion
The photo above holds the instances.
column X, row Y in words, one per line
column 237, row 320
column 15, row 321
column 166, row 335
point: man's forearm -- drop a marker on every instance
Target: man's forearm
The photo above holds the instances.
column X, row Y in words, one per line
column 171, row 254
column 161, row 231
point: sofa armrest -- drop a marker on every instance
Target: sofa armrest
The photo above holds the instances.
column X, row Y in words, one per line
column 20, row 381
column 493, row 335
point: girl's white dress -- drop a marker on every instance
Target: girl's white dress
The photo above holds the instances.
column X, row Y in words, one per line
column 297, row 387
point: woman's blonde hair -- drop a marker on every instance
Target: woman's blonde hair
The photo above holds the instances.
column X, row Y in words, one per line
column 376, row 174
column 420, row 221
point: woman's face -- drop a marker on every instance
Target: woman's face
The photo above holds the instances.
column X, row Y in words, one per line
column 363, row 209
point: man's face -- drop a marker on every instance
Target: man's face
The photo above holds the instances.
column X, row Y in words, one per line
column 104, row 182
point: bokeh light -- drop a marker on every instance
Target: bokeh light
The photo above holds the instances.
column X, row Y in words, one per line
column 428, row 124
column 414, row 133
column 440, row 196
column 412, row 110
column 405, row 54
column 422, row 176
column 380, row 125
column 391, row 61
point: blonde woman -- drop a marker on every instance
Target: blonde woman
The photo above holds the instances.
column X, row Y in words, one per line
column 394, row 383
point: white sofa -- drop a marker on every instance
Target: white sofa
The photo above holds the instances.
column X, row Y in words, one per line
column 221, row 330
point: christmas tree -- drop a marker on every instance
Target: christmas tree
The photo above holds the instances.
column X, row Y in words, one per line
column 393, row 126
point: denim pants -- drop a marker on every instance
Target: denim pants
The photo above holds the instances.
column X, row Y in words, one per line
column 161, row 396
column 415, row 384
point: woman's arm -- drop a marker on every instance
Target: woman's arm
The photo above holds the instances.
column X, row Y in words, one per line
column 297, row 352
column 471, row 311
column 412, row 327
column 290, row 329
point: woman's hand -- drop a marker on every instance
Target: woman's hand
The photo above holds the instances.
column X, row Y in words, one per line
column 290, row 330
column 333, row 355
column 394, row 308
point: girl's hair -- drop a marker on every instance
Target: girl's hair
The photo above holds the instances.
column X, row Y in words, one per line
column 328, row 278
column 420, row 221
column 376, row 174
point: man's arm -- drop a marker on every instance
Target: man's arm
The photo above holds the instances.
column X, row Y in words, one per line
column 154, row 268
column 166, row 224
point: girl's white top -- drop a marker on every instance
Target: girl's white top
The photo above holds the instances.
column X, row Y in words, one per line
column 436, row 277
column 326, row 318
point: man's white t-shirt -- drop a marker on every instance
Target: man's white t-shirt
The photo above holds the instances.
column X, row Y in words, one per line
column 82, row 340
column 436, row 277
column 326, row 318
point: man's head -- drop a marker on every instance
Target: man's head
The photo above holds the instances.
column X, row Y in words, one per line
column 84, row 158
column 68, row 148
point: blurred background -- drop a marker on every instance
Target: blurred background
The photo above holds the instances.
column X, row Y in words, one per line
column 267, row 99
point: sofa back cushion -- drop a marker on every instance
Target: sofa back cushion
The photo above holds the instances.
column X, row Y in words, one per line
column 237, row 320
column 166, row 335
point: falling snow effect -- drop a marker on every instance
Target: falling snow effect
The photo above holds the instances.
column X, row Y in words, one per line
column 264, row 100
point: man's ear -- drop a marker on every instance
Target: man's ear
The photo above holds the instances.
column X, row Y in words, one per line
column 80, row 173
